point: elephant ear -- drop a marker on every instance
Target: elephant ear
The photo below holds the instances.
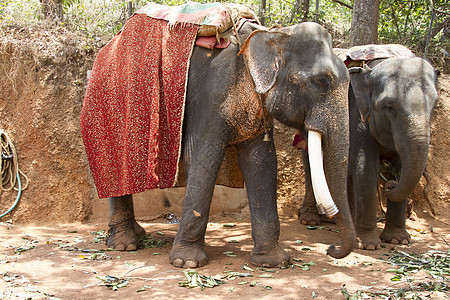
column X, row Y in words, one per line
column 360, row 86
column 264, row 58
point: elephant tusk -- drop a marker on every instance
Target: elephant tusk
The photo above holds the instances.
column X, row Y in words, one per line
column 325, row 202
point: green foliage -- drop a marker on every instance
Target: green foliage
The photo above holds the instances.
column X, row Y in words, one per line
column 19, row 12
column 333, row 13
column 407, row 21
column 401, row 21
column 94, row 18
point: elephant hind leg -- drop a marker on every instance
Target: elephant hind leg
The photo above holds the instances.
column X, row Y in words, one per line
column 122, row 237
column 124, row 231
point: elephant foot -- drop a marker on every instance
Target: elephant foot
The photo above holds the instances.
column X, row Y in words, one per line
column 395, row 236
column 188, row 256
column 368, row 241
column 309, row 216
column 275, row 257
column 122, row 235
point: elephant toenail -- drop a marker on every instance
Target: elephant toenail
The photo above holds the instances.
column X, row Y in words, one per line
column 131, row 247
column 190, row 264
column 178, row 262
column 395, row 241
column 119, row 247
column 405, row 242
column 370, row 247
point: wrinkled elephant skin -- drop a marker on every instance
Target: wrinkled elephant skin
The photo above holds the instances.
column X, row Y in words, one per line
column 303, row 85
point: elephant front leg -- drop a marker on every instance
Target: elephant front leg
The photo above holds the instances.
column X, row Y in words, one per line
column 308, row 214
column 188, row 247
column 202, row 166
column 365, row 174
column 124, row 231
column 258, row 163
column 395, row 227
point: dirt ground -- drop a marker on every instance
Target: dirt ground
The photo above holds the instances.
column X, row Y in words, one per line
column 48, row 245
column 64, row 261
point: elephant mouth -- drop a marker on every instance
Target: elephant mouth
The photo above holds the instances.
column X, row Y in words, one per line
column 321, row 191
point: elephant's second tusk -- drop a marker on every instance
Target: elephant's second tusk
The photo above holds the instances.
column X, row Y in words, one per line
column 322, row 194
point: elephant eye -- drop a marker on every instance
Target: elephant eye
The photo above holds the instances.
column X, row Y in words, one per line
column 387, row 105
column 321, row 83
column 390, row 110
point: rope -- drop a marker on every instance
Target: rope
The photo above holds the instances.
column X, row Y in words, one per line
column 10, row 170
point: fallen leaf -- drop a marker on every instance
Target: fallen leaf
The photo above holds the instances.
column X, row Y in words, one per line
column 229, row 225
column 245, row 267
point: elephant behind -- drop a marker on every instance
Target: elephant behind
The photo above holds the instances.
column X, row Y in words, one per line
column 290, row 74
column 391, row 101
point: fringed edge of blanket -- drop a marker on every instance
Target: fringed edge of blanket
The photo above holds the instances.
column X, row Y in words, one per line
column 182, row 115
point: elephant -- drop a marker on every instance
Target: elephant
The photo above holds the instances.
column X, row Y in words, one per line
column 391, row 101
column 289, row 74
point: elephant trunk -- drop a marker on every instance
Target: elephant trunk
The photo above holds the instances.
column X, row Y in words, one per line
column 336, row 167
column 348, row 235
column 413, row 156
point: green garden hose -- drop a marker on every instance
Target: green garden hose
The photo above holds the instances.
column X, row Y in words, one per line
column 10, row 170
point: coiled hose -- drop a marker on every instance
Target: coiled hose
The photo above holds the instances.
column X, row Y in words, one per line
column 10, row 170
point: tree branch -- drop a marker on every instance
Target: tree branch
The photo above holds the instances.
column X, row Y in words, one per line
column 441, row 11
column 438, row 27
column 343, row 4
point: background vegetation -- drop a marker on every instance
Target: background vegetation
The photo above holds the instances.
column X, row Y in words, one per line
column 401, row 21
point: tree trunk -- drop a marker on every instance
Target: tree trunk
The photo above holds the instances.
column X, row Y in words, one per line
column 262, row 12
column 364, row 29
column 52, row 9
column 305, row 9
column 300, row 11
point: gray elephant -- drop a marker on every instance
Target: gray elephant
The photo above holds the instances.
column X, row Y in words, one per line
column 304, row 85
column 390, row 104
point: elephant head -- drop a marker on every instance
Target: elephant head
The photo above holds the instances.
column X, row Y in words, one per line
column 304, row 85
column 397, row 98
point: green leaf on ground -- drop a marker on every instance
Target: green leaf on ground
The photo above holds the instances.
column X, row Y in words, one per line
column 247, row 268
column 113, row 282
column 229, row 225
column 193, row 279
column 149, row 241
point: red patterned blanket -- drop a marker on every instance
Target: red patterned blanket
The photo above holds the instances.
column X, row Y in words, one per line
column 132, row 114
